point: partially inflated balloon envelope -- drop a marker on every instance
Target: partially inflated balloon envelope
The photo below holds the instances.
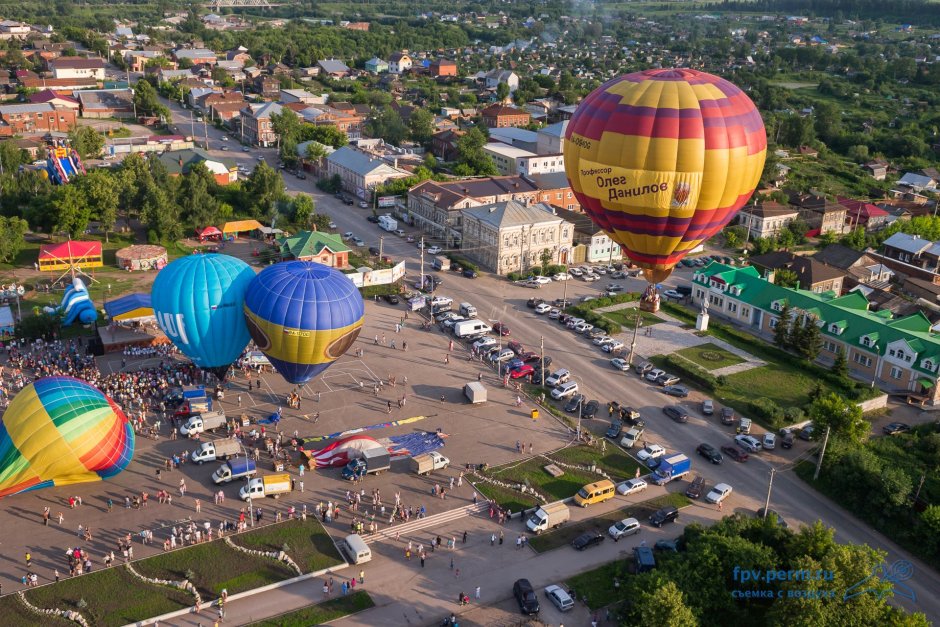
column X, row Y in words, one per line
column 663, row 159
column 198, row 302
column 303, row 316
column 59, row 431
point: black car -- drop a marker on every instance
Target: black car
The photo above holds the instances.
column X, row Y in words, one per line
column 614, row 430
column 585, row 540
column 373, row 219
column 348, row 201
column 301, row 176
column 679, row 391
column 710, row 453
column 373, row 251
column 532, row 303
column 786, row 439
column 470, row 274
column 695, row 488
column 561, row 302
column 574, row 402
column 727, row 416
column 676, row 413
column 525, row 595
column 392, row 299
column 664, row 515
column 895, row 428
column 590, row 409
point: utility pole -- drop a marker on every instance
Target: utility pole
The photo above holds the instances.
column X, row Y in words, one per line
column 542, row 358
column 636, row 328
column 381, row 245
column 919, row 486
column 822, row 454
column 769, row 488
column 422, row 262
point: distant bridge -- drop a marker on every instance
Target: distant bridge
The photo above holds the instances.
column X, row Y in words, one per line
column 263, row 4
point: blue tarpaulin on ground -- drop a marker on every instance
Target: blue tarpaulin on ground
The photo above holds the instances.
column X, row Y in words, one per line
column 130, row 307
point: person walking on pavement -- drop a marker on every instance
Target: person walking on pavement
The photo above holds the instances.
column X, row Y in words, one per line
column 476, row 593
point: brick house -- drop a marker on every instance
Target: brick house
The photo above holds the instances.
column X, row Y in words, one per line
column 897, row 354
column 442, row 67
column 256, row 126
column 35, row 119
column 501, row 116
column 444, row 144
column 811, row 275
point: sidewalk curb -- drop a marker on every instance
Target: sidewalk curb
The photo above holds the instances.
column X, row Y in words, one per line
column 241, row 595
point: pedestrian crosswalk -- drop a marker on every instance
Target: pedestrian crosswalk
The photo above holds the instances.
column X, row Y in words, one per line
column 402, row 529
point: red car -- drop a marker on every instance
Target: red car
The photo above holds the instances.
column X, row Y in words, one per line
column 515, row 346
column 734, row 453
column 501, row 328
column 523, row 371
column 528, row 356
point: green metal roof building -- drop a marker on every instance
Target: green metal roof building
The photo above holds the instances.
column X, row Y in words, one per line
column 325, row 248
column 898, row 354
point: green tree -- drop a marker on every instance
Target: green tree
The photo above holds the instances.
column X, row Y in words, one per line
column 12, row 234
column 843, row 417
column 782, row 330
column 665, row 605
column 198, row 206
column 388, row 125
column 146, row 101
column 287, row 125
column 421, row 126
column 502, row 91
column 796, row 131
column 12, row 156
column 315, row 151
column 264, row 188
column 70, row 212
column 784, row 277
column 86, row 141
column 302, row 208
column 930, row 519
column 734, row 236
column 470, row 153
column 840, row 366
column 161, row 214
column 101, row 192
column 545, row 257
column 327, row 135
column 856, row 240
column 809, row 339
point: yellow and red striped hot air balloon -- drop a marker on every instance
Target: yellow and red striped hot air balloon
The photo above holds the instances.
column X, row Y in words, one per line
column 663, row 159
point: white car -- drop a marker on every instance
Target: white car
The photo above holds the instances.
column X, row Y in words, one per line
column 358, row 242
column 654, row 374
column 433, row 250
column 562, row 276
column 748, row 442
column 672, row 294
column 583, row 327
column 610, row 347
column 620, row 364
column 573, row 322
column 543, row 308
column 601, row 340
column 348, row 235
column 769, row 442
column 484, row 342
column 631, row 486
column 554, row 314
column 565, row 390
column 558, row 377
column 575, row 271
column 541, row 280
column 332, row 225
column 626, row 527
column 719, row 493
column 600, row 270
column 501, row 355
column 650, row 451
column 559, row 598
column 590, row 278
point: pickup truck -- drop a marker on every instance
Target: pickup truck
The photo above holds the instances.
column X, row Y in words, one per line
column 240, row 468
column 373, row 461
column 200, row 423
column 216, row 450
column 269, row 485
column 428, row 463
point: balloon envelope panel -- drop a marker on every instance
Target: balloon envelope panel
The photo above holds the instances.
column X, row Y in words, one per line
column 60, row 431
column 303, row 316
column 663, row 159
column 198, row 303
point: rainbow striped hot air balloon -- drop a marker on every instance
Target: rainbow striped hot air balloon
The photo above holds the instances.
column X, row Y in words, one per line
column 303, row 316
column 60, row 431
column 663, row 159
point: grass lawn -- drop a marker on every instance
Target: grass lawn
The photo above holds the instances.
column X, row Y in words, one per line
column 308, row 543
column 613, row 461
column 214, row 566
column 112, row 597
column 321, row 612
column 508, row 499
column 627, row 318
column 787, row 387
column 598, row 584
column 641, row 511
column 710, row 356
column 15, row 613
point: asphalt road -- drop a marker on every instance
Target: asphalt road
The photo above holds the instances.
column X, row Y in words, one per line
column 497, row 299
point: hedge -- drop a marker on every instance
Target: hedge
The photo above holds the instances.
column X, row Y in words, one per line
column 691, row 371
column 462, row 262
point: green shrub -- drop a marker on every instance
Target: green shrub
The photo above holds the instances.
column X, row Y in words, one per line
column 766, row 409
column 555, row 269
column 793, row 414
column 514, row 276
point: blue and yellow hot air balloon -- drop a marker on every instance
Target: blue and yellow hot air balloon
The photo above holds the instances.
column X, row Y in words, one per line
column 303, row 316
column 198, row 303
column 663, row 159
column 59, row 431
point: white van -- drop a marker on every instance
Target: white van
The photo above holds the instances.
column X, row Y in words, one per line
column 466, row 328
column 356, row 549
column 467, row 310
